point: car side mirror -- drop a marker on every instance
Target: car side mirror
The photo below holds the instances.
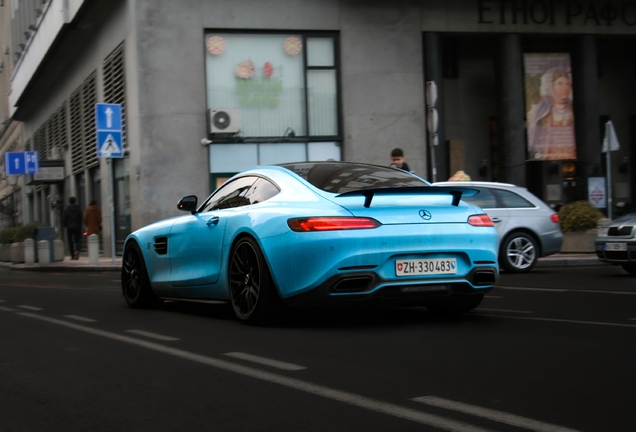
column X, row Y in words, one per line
column 188, row 203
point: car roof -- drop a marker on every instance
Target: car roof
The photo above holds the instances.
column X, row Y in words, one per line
column 478, row 183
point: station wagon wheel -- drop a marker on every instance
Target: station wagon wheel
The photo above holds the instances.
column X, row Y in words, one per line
column 519, row 253
column 134, row 279
column 252, row 292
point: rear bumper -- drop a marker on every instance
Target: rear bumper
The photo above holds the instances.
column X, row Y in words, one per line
column 369, row 287
column 551, row 243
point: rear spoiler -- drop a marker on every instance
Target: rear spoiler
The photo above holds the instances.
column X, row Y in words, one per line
column 368, row 194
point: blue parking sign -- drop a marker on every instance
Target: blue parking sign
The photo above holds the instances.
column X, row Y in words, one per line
column 17, row 163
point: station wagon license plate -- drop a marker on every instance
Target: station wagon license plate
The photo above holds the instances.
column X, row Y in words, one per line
column 433, row 266
column 616, row 246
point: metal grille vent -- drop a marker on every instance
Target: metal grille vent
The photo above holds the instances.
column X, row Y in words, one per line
column 89, row 99
column 115, row 84
column 77, row 154
column 51, row 134
column 82, row 119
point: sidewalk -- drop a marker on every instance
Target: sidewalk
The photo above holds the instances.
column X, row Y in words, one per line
column 106, row 264
column 82, row 264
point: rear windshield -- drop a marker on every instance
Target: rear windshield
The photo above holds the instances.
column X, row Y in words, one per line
column 341, row 177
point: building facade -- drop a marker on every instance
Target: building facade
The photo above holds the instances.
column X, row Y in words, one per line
column 209, row 88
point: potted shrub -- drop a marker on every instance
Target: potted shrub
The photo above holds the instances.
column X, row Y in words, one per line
column 579, row 222
column 17, row 237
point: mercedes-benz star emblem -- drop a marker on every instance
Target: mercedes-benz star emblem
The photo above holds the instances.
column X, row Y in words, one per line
column 425, row 214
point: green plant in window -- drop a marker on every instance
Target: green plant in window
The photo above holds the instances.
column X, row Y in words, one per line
column 579, row 216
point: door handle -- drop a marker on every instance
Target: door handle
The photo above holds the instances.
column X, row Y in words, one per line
column 212, row 221
column 496, row 220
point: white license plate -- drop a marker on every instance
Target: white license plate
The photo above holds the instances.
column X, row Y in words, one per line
column 616, row 246
column 433, row 266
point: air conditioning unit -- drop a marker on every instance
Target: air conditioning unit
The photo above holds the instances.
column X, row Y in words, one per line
column 224, row 121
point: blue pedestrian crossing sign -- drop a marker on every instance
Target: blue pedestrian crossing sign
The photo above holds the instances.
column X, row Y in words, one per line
column 109, row 130
column 109, row 144
column 17, row 163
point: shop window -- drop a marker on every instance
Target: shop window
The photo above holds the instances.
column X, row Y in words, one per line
column 281, row 85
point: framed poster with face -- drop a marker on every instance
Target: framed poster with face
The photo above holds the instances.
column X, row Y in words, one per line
column 550, row 115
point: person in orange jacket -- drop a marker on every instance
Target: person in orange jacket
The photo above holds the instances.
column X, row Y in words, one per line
column 93, row 218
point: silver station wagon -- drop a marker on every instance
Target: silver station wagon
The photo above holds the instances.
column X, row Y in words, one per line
column 528, row 228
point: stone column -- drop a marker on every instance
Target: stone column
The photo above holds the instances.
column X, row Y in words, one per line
column 510, row 116
column 586, row 111
column 433, row 72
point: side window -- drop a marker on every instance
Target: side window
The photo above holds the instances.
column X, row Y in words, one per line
column 230, row 195
column 510, row 199
column 483, row 199
column 261, row 190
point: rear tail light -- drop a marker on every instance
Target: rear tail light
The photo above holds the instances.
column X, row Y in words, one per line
column 555, row 218
column 482, row 220
column 331, row 223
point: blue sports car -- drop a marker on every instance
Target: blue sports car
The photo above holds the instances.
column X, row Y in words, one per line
column 309, row 233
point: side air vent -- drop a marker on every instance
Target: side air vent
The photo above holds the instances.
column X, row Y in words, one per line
column 161, row 245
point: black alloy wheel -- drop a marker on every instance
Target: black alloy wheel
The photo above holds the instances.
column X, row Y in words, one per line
column 134, row 279
column 252, row 292
column 629, row 268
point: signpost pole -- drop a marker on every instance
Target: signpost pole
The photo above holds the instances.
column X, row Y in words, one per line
column 111, row 203
column 110, row 145
column 609, row 184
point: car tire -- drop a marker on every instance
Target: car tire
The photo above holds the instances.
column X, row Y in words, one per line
column 456, row 303
column 519, row 253
column 252, row 292
column 135, row 284
column 629, row 268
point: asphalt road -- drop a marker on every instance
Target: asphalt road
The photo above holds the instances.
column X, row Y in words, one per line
column 549, row 351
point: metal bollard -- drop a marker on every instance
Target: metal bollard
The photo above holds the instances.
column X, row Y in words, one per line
column 29, row 252
column 44, row 254
column 93, row 249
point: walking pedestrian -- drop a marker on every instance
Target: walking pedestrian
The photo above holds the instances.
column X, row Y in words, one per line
column 72, row 221
column 93, row 218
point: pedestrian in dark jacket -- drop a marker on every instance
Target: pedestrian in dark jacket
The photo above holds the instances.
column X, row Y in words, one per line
column 93, row 218
column 72, row 221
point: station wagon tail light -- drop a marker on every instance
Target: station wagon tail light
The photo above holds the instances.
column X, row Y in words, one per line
column 331, row 223
column 482, row 220
column 555, row 218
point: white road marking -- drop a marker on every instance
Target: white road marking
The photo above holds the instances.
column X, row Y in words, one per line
column 79, row 318
column 265, row 361
column 293, row 383
column 494, row 297
column 33, row 308
column 562, row 321
column 2, row 301
column 504, row 310
column 6, row 309
column 491, row 414
column 152, row 335
column 564, row 290
column 531, row 289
